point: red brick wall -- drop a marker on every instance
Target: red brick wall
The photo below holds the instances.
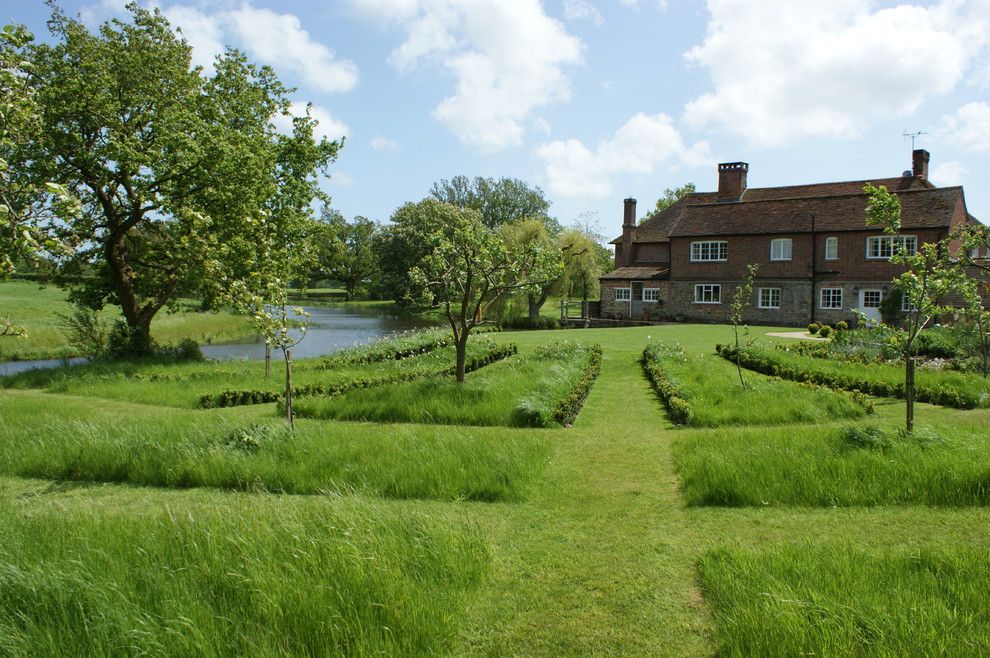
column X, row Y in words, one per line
column 648, row 253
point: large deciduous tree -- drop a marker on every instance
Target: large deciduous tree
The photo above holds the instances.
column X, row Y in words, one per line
column 499, row 201
column 347, row 250
column 185, row 184
column 469, row 267
column 669, row 198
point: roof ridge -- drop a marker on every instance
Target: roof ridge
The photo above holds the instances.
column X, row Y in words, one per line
column 835, row 195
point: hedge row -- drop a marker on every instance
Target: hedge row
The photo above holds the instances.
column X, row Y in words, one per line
column 673, row 399
column 567, row 409
column 769, row 363
column 238, row 398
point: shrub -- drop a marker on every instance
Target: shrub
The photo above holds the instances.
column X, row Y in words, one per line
column 568, row 408
column 524, row 322
column 678, row 408
column 252, row 438
column 84, row 331
column 813, row 328
column 841, row 325
column 825, row 331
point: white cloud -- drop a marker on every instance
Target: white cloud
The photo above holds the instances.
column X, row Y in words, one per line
column 638, row 147
column 783, row 70
column 340, row 179
column 507, row 57
column 326, row 125
column 203, row 33
column 948, row 174
column 968, row 128
column 280, row 40
column 582, row 9
column 380, row 143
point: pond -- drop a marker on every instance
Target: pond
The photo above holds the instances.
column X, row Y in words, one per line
column 331, row 328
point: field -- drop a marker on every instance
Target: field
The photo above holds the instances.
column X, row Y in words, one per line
column 152, row 526
column 36, row 309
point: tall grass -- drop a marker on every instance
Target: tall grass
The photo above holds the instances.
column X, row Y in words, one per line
column 522, row 391
column 836, row 465
column 302, row 579
column 710, row 388
column 840, row 601
column 185, row 384
column 64, row 438
column 954, row 389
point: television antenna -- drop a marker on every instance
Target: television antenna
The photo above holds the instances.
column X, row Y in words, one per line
column 913, row 136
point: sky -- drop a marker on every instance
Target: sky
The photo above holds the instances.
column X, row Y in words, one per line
column 598, row 100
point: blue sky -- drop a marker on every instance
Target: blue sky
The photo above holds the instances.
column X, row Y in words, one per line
column 595, row 101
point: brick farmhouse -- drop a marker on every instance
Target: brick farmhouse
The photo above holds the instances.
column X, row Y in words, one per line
column 818, row 261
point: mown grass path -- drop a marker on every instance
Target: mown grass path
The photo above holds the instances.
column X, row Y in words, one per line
column 602, row 558
column 588, row 565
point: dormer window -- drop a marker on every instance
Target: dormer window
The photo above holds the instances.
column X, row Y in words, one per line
column 709, row 251
column 780, row 249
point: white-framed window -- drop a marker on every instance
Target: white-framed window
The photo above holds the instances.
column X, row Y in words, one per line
column 832, row 248
column 708, row 293
column 768, row 298
column 906, row 304
column 885, row 246
column 623, row 294
column 780, row 249
column 871, row 298
column 830, row 298
column 651, row 294
column 709, row 250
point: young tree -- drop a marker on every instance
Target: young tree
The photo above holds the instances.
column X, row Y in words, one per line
column 742, row 298
column 347, row 250
column 468, row 267
column 181, row 176
column 932, row 275
column 669, row 198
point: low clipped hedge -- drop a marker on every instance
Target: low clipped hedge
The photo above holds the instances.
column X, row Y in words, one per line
column 569, row 407
column 774, row 363
column 243, row 397
column 678, row 408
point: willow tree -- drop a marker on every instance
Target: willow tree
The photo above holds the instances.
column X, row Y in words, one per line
column 468, row 267
column 181, row 175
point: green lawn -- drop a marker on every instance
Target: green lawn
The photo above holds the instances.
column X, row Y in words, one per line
column 35, row 308
column 464, row 540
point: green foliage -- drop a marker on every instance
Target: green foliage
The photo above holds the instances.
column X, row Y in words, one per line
column 655, row 356
column 193, row 578
column 524, row 322
column 839, row 600
column 585, row 259
column 951, row 389
column 84, row 331
column 498, row 201
column 669, row 198
column 184, row 182
column 813, row 328
column 890, row 308
column 825, row 331
column 841, row 325
column 345, row 250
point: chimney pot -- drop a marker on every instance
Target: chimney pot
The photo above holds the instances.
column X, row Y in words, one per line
column 732, row 180
column 629, row 212
column 919, row 160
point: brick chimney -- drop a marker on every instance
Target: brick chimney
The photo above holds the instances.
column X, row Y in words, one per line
column 628, row 232
column 919, row 160
column 732, row 180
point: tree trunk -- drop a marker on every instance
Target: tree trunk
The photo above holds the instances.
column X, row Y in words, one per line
column 288, row 388
column 460, row 347
column 268, row 360
column 909, row 393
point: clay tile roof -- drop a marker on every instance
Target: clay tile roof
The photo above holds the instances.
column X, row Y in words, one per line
column 637, row 273
column 921, row 207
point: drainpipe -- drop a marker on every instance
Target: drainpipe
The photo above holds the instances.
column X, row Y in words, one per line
column 814, row 264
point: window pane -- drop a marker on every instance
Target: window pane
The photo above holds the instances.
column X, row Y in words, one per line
column 831, row 248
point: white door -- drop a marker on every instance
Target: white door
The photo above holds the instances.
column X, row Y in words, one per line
column 869, row 303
